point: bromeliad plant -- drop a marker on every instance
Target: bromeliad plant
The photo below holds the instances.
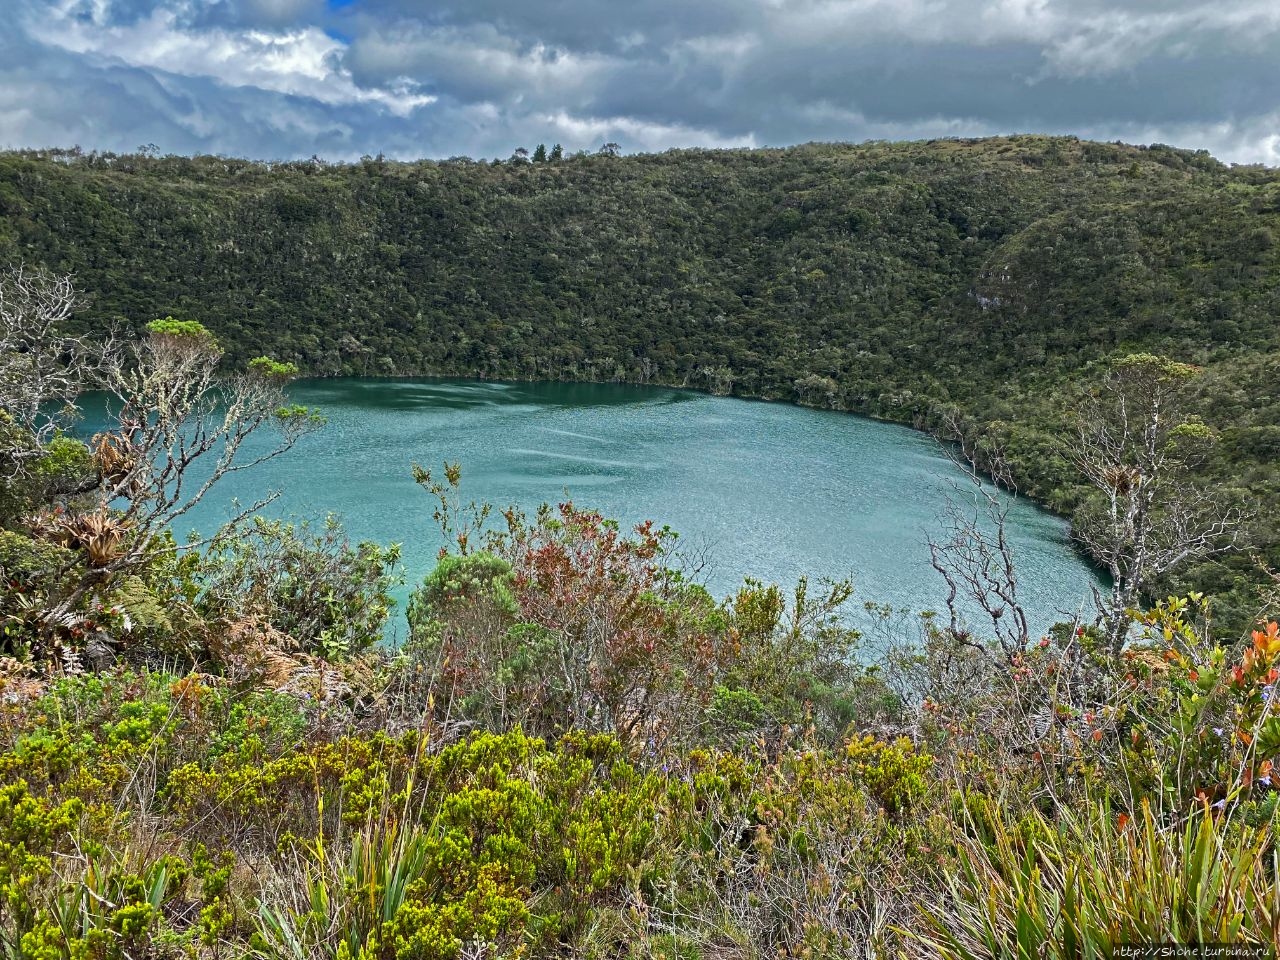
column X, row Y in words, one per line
column 1077, row 888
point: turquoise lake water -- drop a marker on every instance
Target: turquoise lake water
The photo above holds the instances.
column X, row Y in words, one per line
column 765, row 490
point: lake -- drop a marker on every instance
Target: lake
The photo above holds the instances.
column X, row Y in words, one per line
column 765, row 490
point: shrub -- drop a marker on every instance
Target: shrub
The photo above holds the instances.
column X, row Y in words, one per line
column 328, row 596
column 566, row 623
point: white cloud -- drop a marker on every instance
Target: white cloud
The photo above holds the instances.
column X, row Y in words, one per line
column 302, row 62
column 477, row 63
column 1119, row 40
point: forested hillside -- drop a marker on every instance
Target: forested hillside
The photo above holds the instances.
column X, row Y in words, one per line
column 911, row 281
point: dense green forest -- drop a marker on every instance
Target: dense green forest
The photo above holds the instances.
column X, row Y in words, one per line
column 973, row 283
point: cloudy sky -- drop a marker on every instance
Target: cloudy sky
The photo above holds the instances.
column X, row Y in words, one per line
column 435, row 78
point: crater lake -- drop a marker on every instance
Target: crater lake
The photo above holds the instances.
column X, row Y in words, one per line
column 764, row 490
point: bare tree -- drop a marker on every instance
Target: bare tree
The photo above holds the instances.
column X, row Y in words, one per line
column 179, row 427
column 978, row 567
column 42, row 369
column 1138, row 446
column 975, row 558
column 176, row 411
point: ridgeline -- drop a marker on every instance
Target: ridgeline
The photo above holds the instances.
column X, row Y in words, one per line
column 978, row 282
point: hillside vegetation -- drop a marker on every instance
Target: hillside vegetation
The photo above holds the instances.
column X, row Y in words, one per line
column 967, row 283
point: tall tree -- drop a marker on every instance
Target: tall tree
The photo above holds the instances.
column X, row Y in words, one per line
column 1139, row 448
column 43, row 370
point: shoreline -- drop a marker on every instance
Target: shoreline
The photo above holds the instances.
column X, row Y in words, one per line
column 915, row 423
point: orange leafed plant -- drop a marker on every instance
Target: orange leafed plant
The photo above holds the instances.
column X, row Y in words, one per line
column 1267, row 640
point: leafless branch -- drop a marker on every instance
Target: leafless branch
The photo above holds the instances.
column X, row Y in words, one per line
column 976, row 560
column 1138, row 447
column 43, row 370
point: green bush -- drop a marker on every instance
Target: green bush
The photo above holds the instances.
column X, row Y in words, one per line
column 326, row 595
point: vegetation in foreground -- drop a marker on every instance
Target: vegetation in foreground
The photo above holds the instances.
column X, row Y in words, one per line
column 579, row 752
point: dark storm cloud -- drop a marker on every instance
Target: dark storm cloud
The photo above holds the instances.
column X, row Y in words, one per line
column 276, row 78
